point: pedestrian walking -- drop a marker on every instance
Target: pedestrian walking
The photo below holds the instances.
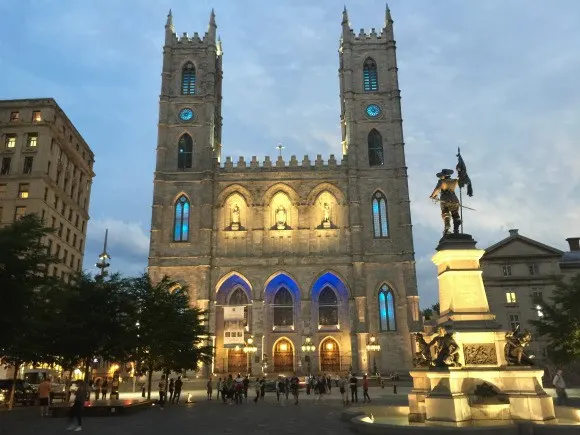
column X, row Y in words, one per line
column 178, row 386
column 97, row 388
column 294, row 386
column 171, row 389
column 560, row 385
column 320, row 388
column 209, row 387
column 44, row 396
column 104, row 388
column 354, row 388
column 343, row 393
column 246, row 384
column 263, row 388
column 162, row 391
column 219, row 388
column 76, row 410
column 258, row 388
column 365, row 385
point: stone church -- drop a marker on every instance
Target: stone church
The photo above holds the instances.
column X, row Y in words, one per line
column 315, row 256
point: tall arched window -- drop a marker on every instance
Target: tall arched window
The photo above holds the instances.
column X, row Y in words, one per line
column 380, row 217
column 185, row 152
column 188, row 79
column 181, row 225
column 283, row 308
column 327, row 307
column 387, row 309
column 239, row 297
column 375, row 146
column 370, row 79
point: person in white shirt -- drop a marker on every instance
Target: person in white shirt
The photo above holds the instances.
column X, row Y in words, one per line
column 560, row 386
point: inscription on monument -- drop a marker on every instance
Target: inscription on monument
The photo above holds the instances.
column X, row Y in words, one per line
column 480, row 354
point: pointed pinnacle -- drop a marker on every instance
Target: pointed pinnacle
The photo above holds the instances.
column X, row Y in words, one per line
column 169, row 19
column 212, row 18
column 388, row 18
column 344, row 16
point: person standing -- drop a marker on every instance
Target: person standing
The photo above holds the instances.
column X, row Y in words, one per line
column 320, row 388
column 294, row 386
column 343, row 393
column 104, row 388
column 76, row 410
column 354, row 388
column 258, row 388
column 209, row 387
column 246, row 383
column 178, row 386
column 263, row 388
column 171, row 389
column 219, row 388
column 560, row 385
column 44, row 396
column 365, row 385
column 162, row 391
column 97, row 388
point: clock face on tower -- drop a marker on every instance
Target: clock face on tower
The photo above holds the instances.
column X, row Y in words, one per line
column 373, row 110
column 186, row 114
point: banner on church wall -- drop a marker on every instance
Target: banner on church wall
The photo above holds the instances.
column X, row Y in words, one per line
column 234, row 326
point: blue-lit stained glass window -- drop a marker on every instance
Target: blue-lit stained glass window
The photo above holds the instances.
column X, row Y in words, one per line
column 327, row 307
column 380, row 218
column 188, row 79
column 387, row 309
column 185, row 152
column 370, row 78
column 283, row 308
column 181, row 226
column 375, row 146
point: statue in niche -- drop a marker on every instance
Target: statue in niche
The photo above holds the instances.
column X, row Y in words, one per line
column 235, row 218
column 516, row 342
column 280, row 218
column 446, row 349
column 326, row 216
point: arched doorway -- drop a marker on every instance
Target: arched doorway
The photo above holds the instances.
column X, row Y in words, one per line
column 329, row 355
column 283, row 356
column 237, row 361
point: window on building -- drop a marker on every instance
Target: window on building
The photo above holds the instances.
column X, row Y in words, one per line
column 5, row 169
column 507, row 270
column 67, row 234
column 45, row 194
column 188, row 79
column 514, row 321
column 380, row 218
column 60, row 228
column 19, row 212
column 43, row 215
column 283, row 308
column 64, row 255
column 77, row 221
column 387, row 309
column 78, row 264
column 533, row 269
column 181, row 224
column 27, row 167
column 81, row 245
column 53, row 222
column 370, row 79
column 537, row 295
column 23, row 189
column 74, row 243
column 375, row 147
column 185, row 152
column 70, row 212
column 327, row 307
column 55, row 202
column 2, row 190
column 10, row 141
column 48, row 168
column 32, row 139
column 57, row 252
column 510, row 297
column 49, row 246
column 72, row 261
column 36, row 116
column 239, row 297
column 14, row 116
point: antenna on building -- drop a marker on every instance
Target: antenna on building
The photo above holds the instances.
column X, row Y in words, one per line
column 103, row 257
column 280, row 147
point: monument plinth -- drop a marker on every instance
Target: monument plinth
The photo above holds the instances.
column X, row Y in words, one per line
column 472, row 369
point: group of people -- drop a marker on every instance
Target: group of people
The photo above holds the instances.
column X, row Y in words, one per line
column 173, row 387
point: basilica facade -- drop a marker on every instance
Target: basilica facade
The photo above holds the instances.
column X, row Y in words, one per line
column 300, row 263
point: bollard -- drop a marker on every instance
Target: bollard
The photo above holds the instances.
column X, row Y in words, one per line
column 394, row 387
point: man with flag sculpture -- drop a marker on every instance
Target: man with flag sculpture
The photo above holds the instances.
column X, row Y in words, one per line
column 448, row 200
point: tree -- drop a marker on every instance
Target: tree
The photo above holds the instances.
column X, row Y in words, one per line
column 430, row 312
column 170, row 333
column 94, row 318
column 560, row 321
column 24, row 287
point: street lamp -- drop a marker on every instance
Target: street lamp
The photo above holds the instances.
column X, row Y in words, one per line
column 373, row 346
column 250, row 349
column 307, row 348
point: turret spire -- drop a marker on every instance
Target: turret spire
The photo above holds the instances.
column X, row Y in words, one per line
column 169, row 22
column 388, row 19
column 345, row 25
column 211, row 29
column 344, row 16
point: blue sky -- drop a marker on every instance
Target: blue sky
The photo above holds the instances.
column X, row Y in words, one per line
column 500, row 78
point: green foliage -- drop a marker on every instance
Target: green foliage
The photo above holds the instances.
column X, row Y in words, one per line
column 560, row 322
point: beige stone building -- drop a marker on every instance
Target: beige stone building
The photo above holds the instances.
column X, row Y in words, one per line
column 46, row 168
column 517, row 273
column 305, row 249
column 570, row 262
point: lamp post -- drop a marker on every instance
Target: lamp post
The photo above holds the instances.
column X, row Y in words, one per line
column 308, row 348
column 250, row 349
column 103, row 260
column 373, row 346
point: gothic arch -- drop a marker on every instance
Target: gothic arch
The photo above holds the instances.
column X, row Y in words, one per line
column 370, row 75
column 229, row 282
column 380, row 285
column 328, row 338
column 188, row 78
column 335, row 280
column 185, row 145
column 320, row 188
column 179, row 195
column 277, row 280
column 231, row 189
column 280, row 187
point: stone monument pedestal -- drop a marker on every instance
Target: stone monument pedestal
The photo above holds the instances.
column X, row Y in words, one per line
column 481, row 385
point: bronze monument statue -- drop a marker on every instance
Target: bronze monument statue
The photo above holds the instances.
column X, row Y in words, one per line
column 448, row 200
column 446, row 349
column 516, row 342
column 423, row 355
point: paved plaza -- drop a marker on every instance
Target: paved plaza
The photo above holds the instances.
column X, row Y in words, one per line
column 209, row 417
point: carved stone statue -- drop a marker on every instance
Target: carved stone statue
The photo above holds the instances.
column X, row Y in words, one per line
column 281, row 218
column 236, row 218
column 516, row 342
column 423, row 355
column 326, row 211
column 446, row 349
column 448, row 200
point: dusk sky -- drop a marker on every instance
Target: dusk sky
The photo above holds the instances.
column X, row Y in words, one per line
column 499, row 78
